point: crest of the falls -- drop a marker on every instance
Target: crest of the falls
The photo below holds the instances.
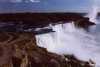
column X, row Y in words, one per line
column 69, row 40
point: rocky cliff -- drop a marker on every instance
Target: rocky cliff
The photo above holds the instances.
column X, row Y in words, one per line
column 21, row 50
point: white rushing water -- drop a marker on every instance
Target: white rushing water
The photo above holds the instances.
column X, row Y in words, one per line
column 93, row 14
column 69, row 40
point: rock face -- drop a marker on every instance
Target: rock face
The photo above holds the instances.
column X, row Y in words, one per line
column 83, row 23
column 20, row 50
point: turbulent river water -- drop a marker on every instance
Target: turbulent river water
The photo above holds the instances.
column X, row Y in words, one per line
column 67, row 39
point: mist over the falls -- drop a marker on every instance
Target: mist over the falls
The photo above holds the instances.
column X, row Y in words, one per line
column 67, row 39
column 70, row 40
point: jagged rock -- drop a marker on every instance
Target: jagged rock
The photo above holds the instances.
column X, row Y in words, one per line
column 83, row 23
column 21, row 50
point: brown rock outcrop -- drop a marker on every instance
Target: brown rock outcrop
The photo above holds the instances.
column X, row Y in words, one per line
column 20, row 50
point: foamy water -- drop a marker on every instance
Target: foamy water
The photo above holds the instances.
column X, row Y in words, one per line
column 93, row 14
column 69, row 40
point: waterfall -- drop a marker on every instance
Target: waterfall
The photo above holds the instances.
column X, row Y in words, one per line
column 67, row 39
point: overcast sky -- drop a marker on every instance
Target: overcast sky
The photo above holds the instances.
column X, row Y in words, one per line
column 46, row 5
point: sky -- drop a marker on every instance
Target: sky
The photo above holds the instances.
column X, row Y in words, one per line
column 46, row 5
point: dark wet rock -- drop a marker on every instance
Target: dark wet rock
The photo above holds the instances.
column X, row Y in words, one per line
column 37, row 20
column 40, row 18
column 84, row 23
column 28, row 22
column 74, row 62
column 16, row 62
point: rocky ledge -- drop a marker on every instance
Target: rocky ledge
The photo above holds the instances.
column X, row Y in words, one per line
column 21, row 50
